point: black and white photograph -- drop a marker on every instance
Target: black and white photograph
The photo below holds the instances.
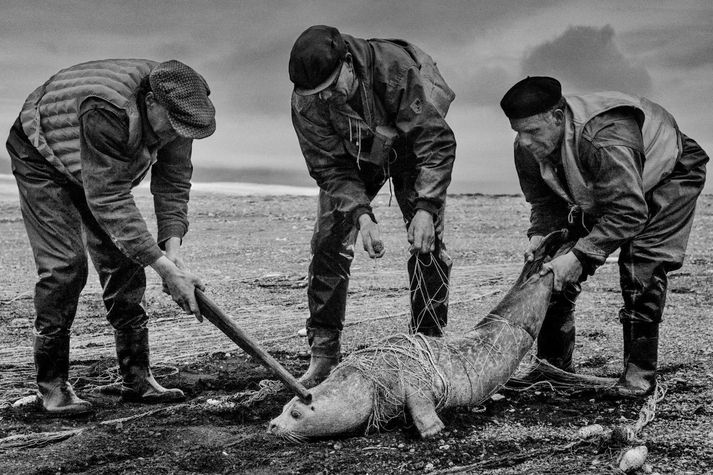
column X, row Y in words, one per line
column 364, row 237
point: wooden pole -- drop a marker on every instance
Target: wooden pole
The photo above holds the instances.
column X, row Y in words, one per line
column 225, row 324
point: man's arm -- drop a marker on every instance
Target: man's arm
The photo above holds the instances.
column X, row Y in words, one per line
column 428, row 135
column 170, row 186
column 548, row 211
column 612, row 155
column 107, row 175
column 330, row 164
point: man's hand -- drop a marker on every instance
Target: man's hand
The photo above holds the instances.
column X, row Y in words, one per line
column 535, row 242
column 370, row 236
column 566, row 269
column 181, row 285
column 421, row 233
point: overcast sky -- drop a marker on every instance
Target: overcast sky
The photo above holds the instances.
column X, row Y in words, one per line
column 660, row 49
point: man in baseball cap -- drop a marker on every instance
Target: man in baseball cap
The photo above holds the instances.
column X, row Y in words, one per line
column 104, row 124
column 365, row 112
column 615, row 169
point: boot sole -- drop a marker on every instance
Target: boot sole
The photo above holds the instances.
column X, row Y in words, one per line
column 72, row 413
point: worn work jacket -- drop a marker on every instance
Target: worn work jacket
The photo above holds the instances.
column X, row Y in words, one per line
column 393, row 92
column 615, row 149
column 86, row 122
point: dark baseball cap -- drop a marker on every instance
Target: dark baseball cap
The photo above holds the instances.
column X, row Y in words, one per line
column 316, row 59
column 530, row 96
column 184, row 93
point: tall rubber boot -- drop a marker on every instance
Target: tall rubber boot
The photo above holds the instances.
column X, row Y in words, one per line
column 556, row 340
column 326, row 349
column 139, row 385
column 52, row 364
column 429, row 276
column 641, row 343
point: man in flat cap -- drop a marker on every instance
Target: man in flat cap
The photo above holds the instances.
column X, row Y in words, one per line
column 366, row 111
column 616, row 171
column 82, row 141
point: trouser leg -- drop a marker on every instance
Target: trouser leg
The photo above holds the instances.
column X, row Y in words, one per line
column 48, row 206
column 332, row 254
column 329, row 271
column 645, row 262
column 53, row 224
column 556, row 340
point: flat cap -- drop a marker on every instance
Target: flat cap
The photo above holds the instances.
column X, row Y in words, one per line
column 316, row 59
column 533, row 95
column 184, row 93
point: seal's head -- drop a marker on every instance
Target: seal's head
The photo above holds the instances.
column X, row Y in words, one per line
column 341, row 404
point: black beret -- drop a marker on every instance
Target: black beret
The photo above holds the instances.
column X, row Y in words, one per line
column 533, row 95
column 316, row 59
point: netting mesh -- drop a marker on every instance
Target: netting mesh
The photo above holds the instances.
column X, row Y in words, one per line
column 429, row 289
column 400, row 363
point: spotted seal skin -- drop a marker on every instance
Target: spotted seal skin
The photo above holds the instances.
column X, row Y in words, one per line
column 419, row 375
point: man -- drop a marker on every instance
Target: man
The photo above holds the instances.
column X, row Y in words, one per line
column 366, row 111
column 83, row 140
column 616, row 170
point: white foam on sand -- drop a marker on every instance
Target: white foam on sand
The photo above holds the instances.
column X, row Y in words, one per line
column 8, row 188
column 247, row 189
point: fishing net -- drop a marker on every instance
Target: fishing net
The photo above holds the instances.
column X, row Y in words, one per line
column 398, row 364
column 429, row 284
column 444, row 370
column 535, row 372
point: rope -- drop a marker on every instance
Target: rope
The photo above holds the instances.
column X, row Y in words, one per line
column 245, row 399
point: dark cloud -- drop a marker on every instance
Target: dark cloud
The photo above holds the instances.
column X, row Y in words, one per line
column 587, row 59
column 676, row 47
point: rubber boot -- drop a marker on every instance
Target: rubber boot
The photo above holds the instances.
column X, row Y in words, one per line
column 52, row 364
column 641, row 342
column 139, row 385
column 555, row 342
column 429, row 276
column 325, row 348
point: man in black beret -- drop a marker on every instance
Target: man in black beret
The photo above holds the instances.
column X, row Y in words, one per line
column 366, row 111
column 83, row 140
column 616, row 171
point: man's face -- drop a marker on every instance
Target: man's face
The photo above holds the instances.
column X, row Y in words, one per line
column 157, row 115
column 540, row 134
column 343, row 87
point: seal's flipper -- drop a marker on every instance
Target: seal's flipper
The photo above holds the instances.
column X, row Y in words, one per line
column 423, row 413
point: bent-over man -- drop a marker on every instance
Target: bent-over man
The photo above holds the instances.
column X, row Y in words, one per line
column 616, row 170
column 82, row 141
column 366, row 111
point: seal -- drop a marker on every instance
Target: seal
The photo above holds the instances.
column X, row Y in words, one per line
column 416, row 376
